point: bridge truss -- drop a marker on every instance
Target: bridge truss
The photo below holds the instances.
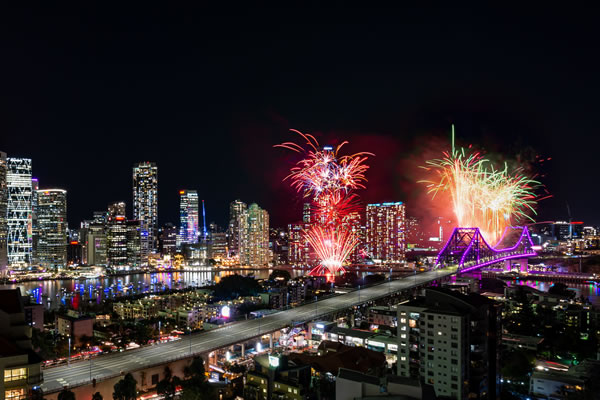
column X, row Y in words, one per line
column 468, row 249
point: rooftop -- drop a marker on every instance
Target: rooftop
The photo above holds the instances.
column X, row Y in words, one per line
column 10, row 301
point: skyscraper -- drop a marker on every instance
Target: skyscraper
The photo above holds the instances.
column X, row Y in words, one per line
column 3, row 223
column 18, row 179
column 35, row 186
column 254, row 237
column 145, row 204
column 236, row 209
column 134, row 243
column 385, row 238
column 52, row 227
column 188, row 216
column 116, row 235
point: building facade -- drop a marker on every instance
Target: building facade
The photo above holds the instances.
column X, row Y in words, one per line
column 116, row 235
column 145, row 203
column 254, row 234
column 19, row 205
column 451, row 341
column 52, row 228
column 3, row 214
column 188, row 217
column 385, row 232
column 97, row 244
column 134, row 244
column 236, row 209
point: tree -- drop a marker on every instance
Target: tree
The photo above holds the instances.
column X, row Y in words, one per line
column 66, row 394
column 234, row 286
column 561, row 289
column 97, row 396
column 125, row 389
column 168, row 385
column 195, row 386
column 280, row 273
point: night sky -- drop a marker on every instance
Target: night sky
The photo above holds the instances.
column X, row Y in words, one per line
column 205, row 93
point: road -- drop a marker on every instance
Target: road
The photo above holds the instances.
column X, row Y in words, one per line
column 106, row 366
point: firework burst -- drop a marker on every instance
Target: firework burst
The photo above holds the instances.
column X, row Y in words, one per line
column 328, row 178
column 482, row 196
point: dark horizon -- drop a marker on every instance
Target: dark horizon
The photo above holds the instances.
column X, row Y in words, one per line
column 206, row 94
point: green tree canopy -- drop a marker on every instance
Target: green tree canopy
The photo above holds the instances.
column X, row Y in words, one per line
column 234, row 286
column 168, row 385
column 125, row 389
column 66, row 394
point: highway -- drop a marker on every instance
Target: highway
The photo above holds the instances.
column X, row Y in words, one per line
column 110, row 365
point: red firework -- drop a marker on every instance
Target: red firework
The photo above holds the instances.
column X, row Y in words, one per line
column 328, row 179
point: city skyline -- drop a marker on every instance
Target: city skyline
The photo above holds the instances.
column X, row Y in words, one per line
column 508, row 110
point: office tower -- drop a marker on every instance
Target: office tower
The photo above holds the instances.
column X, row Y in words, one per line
column 3, row 211
column 35, row 236
column 218, row 241
column 116, row 235
column 168, row 239
column 451, row 341
column 188, row 216
column 236, row 209
column 52, row 227
column 18, row 180
column 145, row 204
column 254, row 237
column 134, row 244
column 385, row 238
column 96, row 244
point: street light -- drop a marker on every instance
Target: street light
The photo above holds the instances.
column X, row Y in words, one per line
column 69, row 359
column 190, row 329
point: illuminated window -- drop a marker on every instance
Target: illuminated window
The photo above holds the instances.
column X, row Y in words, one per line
column 15, row 374
column 15, row 394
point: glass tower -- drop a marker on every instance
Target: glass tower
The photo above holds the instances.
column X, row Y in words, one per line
column 188, row 216
column 52, row 228
column 3, row 223
column 116, row 235
column 19, row 218
column 145, row 204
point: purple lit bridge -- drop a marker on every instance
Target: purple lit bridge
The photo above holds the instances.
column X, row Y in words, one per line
column 467, row 249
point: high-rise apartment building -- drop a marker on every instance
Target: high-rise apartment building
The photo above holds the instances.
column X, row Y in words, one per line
column 134, row 244
column 18, row 178
column 254, row 235
column 188, row 216
column 236, row 209
column 385, row 232
column 116, row 235
column 52, row 227
column 145, row 204
column 451, row 341
column 3, row 212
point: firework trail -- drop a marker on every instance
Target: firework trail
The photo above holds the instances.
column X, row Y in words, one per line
column 482, row 196
column 328, row 178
